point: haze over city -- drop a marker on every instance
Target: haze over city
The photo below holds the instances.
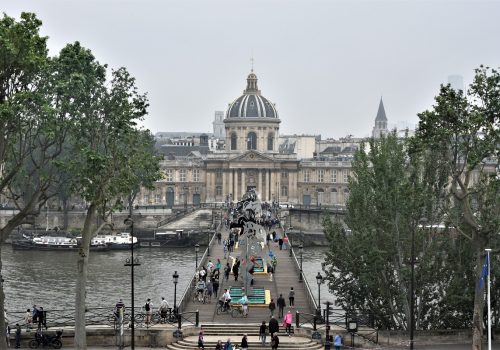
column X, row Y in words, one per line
column 325, row 64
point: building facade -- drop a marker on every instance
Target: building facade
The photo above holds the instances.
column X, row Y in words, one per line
column 252, row 157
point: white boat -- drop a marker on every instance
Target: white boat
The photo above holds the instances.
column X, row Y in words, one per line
column 121, row 240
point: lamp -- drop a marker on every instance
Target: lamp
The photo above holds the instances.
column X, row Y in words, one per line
column 196, row 249
column 175, row 279
column 319, row 280
column 301, row 250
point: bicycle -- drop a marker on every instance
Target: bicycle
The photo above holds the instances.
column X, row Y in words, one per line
column 221, row 308
column 114, row 319
column 237, row 311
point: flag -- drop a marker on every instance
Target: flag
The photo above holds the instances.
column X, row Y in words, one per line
column 484, row 274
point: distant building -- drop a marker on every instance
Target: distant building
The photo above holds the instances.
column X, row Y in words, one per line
column 380, row 127
column 251, row 153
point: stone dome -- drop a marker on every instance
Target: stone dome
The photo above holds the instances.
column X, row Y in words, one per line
column 251, row 104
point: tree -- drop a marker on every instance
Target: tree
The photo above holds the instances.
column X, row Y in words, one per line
column 110, row 157
column 462, row 130
column 368, row 267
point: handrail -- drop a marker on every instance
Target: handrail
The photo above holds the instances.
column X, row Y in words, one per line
column 191, row 285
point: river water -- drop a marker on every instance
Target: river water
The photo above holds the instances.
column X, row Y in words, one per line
column 48, row 278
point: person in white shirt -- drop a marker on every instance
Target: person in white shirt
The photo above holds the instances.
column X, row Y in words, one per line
column 164, row 306
column 227, row 298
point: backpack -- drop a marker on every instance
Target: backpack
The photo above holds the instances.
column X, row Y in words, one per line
column 147, row 307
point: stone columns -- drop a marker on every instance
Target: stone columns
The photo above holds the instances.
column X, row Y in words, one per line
column 259, row 184
column 224, row 186
column 243, row 182
column 231, row 190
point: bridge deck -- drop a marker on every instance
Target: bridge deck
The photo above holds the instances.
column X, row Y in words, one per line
column 286, row 276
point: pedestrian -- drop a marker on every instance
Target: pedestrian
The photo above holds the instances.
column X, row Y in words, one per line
column 281, row 305
column 273, row 326
column 163, row 309
column 28, row 320
column 18, row 336
column 291, row 297
column 280, row 243
column 210, row 290
column 228, row 345
column 219, row 237
column 275, row 342
column 263, row 333
column 285, row 242
column 119, row 311
column 218, row 266
column 42, row 318
column 337, row 342
column 244, row 342
column 219, row 345
column 215, row 286
column 236, row 267
column 274, row 263
column 148, row 308
column 272, row 307
column 201, row 342
column 227, row 270
column 34, row 314
column 224, row 247
column 287, row 322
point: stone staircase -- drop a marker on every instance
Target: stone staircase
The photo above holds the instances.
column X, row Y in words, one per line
column 214, row 332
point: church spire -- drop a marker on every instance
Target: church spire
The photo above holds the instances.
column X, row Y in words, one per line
column 381, row 112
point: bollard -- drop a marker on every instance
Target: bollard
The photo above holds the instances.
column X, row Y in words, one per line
column 197, row 318
column 179, row 322
column 315, row 320
column 297, row 319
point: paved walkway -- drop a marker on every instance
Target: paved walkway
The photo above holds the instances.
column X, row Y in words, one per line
column 286, row 276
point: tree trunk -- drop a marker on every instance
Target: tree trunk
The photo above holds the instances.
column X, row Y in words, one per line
column 81, row 282
column 477, row 320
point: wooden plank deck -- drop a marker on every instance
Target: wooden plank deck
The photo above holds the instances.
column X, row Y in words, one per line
column 286, row 276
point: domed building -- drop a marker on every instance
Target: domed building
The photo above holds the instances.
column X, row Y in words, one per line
column 252, row 121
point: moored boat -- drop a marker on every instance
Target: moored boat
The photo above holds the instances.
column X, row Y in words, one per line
column 119, row 241
column 52, row 243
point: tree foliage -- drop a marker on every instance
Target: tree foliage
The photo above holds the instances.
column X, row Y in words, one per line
column 463, row 130
column 394, row 195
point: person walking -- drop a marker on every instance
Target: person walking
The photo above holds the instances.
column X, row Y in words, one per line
column 42, row 318
column 18, row 336
column 272, row 307
column 273, row 326
column 337, row 342
column 219, row 345
column 215, row 286
column 228, row 345
column 227, row 270
column 201, row 341
column 281, row 305
column 28, row 320
column 263, row 333
column 148, row 308
column 236, row 268
column 275, row 342
column 287, row 322
column 291, row 297
column 244, row 342
column 164, row 306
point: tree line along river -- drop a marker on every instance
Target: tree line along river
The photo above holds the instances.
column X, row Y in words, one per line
column 47, row 278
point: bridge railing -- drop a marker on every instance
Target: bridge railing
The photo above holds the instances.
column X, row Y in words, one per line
column 188, row 292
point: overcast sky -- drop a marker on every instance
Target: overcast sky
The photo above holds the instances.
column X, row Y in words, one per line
column 325, row 64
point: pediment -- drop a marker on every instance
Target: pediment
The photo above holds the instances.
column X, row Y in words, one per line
column 251, row 156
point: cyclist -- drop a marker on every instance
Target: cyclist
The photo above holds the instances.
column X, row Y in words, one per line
column 244, row 304
column 227, row 299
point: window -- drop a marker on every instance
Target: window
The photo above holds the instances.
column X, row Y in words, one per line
column 307, row 175
column 284, row 174
column 270, row 141
column 345, row 176
column 334, row 176
column 333, row 196
column 251, row 140
column 218, row 191
column 284, row 191
column 234, row 141
column 169, row 175
column 182, row 175
column 346, row 195
column 157, row 198
column 196, row 175
column 321, row 175
column 218, row 174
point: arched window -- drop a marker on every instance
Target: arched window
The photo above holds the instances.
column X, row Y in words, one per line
column 270, row 141
column 251, row 140
column 234, row 141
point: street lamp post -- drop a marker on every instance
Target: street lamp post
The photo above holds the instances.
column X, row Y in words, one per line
column 196, row 249
column 208, row 241
column 319, row 280
column 175, row 279
column 301, row 250
column 412, row 289
column 131, row 262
